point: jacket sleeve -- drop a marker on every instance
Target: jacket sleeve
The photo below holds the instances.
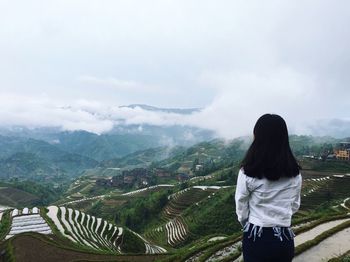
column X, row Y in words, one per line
column 242, row 198
column 296, row 202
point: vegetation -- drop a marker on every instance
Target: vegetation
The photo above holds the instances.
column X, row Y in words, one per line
column 131, row 243
column 323, row 195
column 203, row 219
column 9, row 252
column 5, row 224
column 139, row 213
column 343, row 258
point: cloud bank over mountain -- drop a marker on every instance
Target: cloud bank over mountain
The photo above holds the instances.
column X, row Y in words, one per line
column 99, row 118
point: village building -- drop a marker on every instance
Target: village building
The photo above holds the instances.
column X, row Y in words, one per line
column 140, row 176
column 342, row 151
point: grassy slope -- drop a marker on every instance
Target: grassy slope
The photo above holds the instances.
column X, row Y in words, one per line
column 10, row 196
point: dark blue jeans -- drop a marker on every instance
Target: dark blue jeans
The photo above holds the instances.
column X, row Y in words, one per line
column 267, row 244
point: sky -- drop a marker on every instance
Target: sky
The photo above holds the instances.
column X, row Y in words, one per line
column 72, row 63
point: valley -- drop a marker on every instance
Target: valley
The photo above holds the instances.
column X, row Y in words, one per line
column 162, row 204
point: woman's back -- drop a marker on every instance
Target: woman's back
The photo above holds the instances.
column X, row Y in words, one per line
column 268, row 193
column 271, row 203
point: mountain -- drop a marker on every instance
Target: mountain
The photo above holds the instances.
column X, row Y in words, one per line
column 119, row 142
column 107, row 146
column 142, row 158
column 207, row 156
column 25, row 165
column 184, row 111
column 29, row 158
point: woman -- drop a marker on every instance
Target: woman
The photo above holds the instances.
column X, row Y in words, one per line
column 268, row 193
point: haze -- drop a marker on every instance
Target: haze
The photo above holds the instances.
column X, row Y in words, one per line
column 71, row 64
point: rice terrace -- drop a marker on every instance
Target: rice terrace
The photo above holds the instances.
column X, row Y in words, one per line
column 179, row 219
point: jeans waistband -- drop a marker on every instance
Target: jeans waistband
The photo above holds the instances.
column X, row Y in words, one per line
column 278, row 231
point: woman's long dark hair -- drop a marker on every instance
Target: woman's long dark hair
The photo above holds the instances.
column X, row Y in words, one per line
column 270, row 155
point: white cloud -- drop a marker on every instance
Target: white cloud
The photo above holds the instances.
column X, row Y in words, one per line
column 118, row 84
column 46, row 112
column 243, row 97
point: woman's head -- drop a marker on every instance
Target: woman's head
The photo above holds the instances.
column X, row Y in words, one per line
column 270, row 155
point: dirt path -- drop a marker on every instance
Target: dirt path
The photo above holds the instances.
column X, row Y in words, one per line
column 333, row 246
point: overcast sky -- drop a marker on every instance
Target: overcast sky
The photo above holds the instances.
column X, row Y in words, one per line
column 72, row 63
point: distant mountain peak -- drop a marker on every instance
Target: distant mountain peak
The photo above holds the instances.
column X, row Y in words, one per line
column 184, row 111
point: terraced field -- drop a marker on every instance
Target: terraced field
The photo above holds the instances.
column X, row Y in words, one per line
column 318, row 240
column 314, row 232
column 109, row 195
column 92, row 232
column 85, row 229
column 330, row 247
column 84, row 199
column 27, row 220
column 176, row 231
column 320, row 237
column 175, row 227
column 66, row 225
column 323, row 189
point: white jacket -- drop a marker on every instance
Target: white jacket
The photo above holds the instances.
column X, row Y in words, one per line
column 267, row 203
